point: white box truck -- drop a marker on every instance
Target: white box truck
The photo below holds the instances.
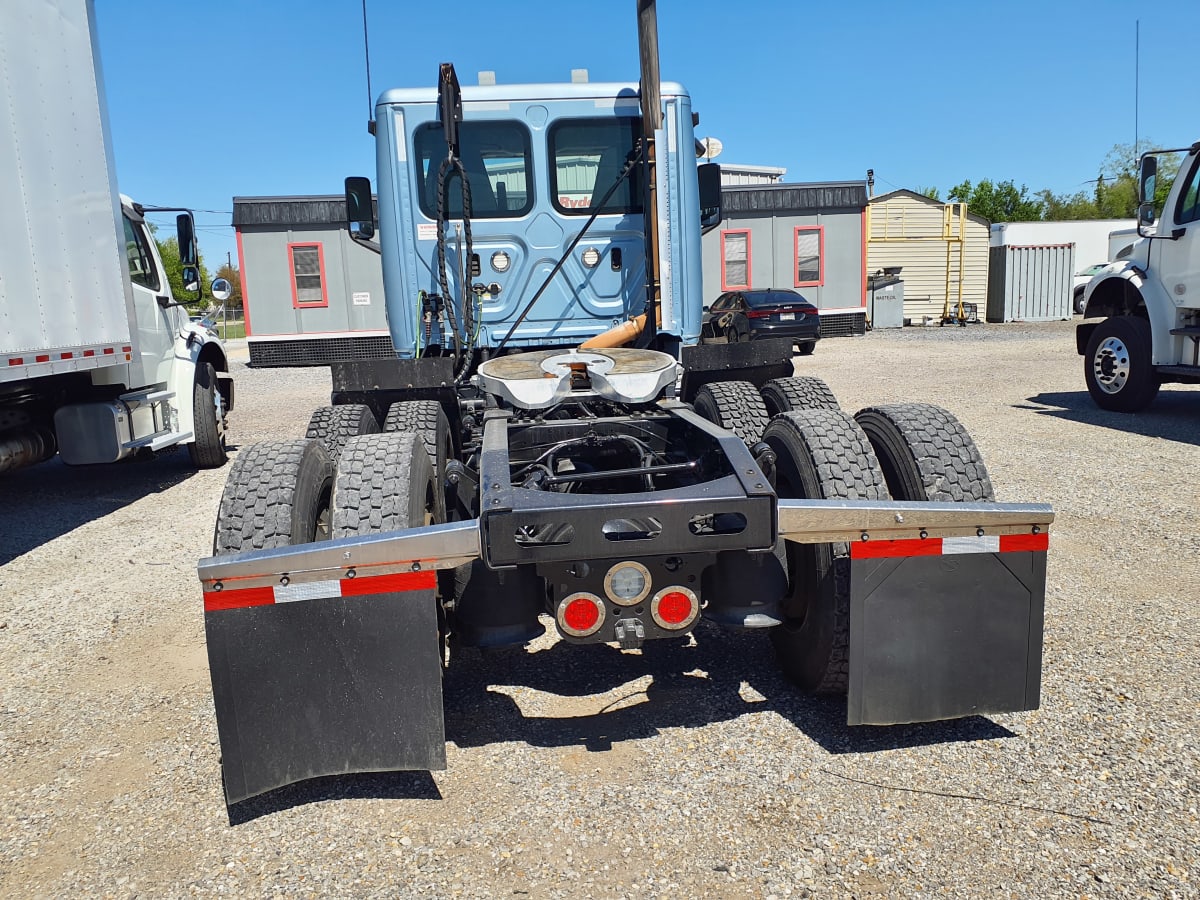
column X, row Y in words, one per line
column 98, row 360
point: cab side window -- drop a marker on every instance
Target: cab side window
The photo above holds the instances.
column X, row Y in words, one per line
column 141, row 263
column 1189, row 200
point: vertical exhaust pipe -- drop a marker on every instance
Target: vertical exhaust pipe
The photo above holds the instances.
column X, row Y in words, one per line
column 652, row 120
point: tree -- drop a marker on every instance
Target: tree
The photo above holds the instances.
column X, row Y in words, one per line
column 998, row 202
column 1062, row 207
column 931, row 192
column 234, row 277
column 169, row 251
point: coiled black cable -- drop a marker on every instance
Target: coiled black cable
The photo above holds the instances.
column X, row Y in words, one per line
column 464, row 336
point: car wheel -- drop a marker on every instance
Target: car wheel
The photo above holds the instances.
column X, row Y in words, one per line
column 1078, row 301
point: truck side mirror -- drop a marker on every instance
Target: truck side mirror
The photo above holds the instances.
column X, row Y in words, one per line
column 709, row 178
column 1146, row 213
column 221, row 290
column 1147, row 180
column 185, row 232
column 360, row 210
column 191, row 279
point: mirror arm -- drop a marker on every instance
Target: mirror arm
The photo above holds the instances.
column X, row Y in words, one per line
column 373, row 246
column 166, row 303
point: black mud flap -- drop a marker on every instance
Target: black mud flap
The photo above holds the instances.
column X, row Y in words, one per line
column 306, row 684
column 944, row 628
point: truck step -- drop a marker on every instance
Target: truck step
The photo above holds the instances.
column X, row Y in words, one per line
column 1192, row 331
column 137, row 398
column 1179, row 371
column 159, row 440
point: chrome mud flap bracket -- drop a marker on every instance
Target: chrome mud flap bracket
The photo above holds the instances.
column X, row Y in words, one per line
column 326, row 658
column 945, row 635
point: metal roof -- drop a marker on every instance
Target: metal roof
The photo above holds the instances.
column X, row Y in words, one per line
column 320, row 209
column 785, row 197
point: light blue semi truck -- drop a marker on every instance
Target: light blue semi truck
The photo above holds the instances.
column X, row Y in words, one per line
column 553, row 446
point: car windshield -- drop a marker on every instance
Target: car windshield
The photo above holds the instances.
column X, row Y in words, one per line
column 758, row 299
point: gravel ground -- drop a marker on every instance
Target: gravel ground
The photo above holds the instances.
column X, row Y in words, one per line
column 684, row 771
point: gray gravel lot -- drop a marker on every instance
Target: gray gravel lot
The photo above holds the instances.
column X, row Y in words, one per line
column 681, row 772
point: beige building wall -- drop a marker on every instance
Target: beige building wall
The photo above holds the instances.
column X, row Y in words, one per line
column 907, row 230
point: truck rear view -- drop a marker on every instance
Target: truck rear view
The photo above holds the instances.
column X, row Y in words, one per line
column 553, row 448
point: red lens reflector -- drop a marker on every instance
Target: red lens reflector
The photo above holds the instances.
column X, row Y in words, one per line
column 675, row 607
column 581, row 614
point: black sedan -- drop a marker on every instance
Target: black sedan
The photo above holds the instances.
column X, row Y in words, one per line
column 747, row 315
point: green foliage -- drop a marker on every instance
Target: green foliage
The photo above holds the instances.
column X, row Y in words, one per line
column 931, row 192
column 998, row 202
column 234, row 277
column 1113, row 197
column 169, row 251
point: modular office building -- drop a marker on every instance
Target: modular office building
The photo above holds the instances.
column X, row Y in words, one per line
column 313, row 296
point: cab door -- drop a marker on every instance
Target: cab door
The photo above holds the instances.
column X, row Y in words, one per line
column 156, row 326
column 1179, row 257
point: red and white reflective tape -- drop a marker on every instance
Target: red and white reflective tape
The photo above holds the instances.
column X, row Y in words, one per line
column 992, row 543
column 54, row 356
column 266, row 595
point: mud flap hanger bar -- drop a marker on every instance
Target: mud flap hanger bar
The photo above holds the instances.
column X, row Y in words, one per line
column 447, row 546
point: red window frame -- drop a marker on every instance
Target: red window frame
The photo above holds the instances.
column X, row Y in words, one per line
column 820, row 230
column 296, row 304
column 725, row 285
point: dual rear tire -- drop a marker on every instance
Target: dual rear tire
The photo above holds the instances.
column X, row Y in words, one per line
column 908, row 451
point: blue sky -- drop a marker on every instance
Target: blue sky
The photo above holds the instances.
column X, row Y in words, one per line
column 210, row 99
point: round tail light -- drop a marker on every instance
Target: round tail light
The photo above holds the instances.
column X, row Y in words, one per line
column 580, row 614
column 675, row 607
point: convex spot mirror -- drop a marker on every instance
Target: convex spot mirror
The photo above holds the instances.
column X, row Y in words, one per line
column 222, row 290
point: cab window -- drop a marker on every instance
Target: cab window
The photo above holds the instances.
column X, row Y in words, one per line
column 497, row 161
column 1189, row 199
column 141, row 262
column 587, row 158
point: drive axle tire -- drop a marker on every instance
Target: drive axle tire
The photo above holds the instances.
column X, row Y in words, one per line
column 334, row 425
column 1117, row 365
column 736, row 406
column 925, row 454
column 797, row 392
column 208, row 418
column 277, row 494
column 384, row 483
column 821, row 454
column 427, row 420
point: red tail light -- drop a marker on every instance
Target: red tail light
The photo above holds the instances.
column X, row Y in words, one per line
column 675, row 608
column 759, row 314
column 581, row 614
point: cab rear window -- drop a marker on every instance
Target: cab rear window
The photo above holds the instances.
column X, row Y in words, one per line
column 496, row 158
column 587, row 156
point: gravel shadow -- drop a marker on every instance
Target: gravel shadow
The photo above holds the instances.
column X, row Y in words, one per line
column 46, row 501
column 1174, row 415
column 365, row 786
column 721, row 677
